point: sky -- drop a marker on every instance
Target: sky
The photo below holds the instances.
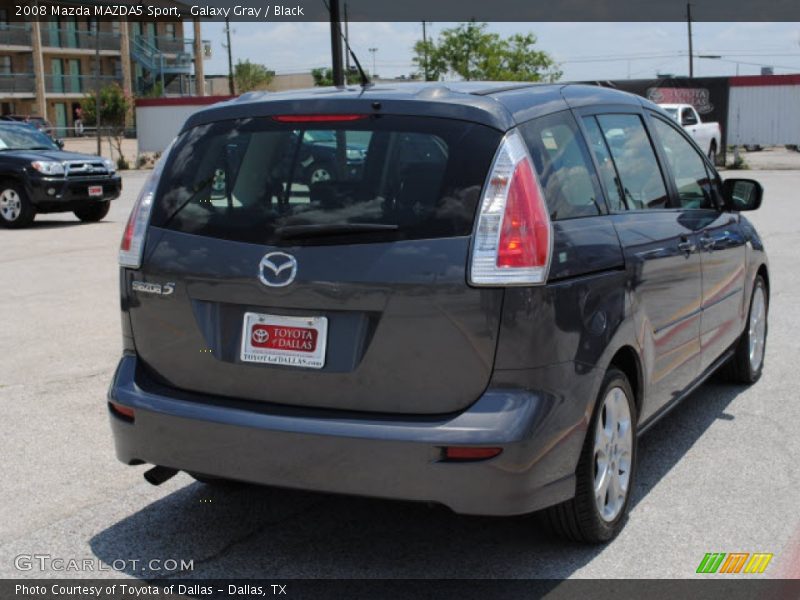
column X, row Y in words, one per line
column 585, row 51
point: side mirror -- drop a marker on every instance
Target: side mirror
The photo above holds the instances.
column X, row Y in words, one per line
column 742, row 194
column 60, row 144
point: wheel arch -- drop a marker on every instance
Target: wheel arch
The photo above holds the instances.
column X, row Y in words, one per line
column 13, row 177
column 627, row 360
column 764, row 272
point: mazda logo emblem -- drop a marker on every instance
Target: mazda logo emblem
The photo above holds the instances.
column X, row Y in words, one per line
column 277, row 269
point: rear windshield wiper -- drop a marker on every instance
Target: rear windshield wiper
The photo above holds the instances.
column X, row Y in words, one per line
column 323, row 229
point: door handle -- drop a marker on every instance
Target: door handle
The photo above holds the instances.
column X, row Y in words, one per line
column 687, row 247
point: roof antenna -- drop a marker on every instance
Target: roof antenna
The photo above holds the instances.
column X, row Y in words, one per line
column 364, row 79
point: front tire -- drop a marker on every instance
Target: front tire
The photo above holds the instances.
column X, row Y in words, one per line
column 712, row 153
column 606, row 469
column 320, row 174
column 93, row 212
column 747, row 363
column 16, row 210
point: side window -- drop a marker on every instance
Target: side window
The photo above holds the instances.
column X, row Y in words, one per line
column 563, row 165
column 639, row 174
column 687, row 117
column 687, row 166
column 608, row 172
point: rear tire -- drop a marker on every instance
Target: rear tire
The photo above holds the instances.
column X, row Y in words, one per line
column 712, row 153
column 93, row 212
column 16, row 210
column 747, row 363
column 606, row 469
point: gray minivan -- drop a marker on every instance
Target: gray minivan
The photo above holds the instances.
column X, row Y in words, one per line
column 496, row 288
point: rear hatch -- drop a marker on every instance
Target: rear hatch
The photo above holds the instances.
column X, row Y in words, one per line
column 320, row 261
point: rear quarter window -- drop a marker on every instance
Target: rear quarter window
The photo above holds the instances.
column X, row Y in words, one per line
column 249, row 179
column 563, row 165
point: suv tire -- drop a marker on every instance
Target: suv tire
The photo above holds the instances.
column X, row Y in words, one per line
column 218, row 482
column 93, row 212
column 16, row 210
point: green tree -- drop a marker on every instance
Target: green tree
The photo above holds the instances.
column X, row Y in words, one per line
column 430, row 62
column 114, row 108
column 322, row 76
column 251, row 76
column 471, row 52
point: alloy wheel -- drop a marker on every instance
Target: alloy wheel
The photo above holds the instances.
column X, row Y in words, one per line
column 613, row 452
column 757, row 331
column 10, row 205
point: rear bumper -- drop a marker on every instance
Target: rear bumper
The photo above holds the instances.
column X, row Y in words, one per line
column 398, row 457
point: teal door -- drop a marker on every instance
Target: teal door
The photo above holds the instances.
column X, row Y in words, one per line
column 74, row 80
column 71, row 34
column 52, row 38
column 61, row 118
column 57, row 73
column 150, row 33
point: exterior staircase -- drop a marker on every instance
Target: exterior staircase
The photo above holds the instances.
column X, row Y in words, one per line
column 159, row 66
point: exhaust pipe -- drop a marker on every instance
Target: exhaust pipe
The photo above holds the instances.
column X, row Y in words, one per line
column 158, row 474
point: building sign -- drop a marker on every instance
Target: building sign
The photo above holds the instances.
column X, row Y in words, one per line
column 700, row 98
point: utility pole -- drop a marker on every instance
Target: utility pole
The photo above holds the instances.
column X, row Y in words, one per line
column 336, row 44
column 425, row 50
column 689, row 24
column 373, row 51
column 231, row 86
column 347, row 43
column 97, row 80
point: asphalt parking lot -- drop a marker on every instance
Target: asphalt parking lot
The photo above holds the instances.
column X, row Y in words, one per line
column 721, row 473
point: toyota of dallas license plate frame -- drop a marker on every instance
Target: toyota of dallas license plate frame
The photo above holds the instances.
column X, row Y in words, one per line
column 95, row 191
column 288, row 341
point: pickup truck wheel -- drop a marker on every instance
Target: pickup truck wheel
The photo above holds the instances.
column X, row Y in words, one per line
column 712, row 153
column 747, row 362
column 93, row 212
column 16, row 210
column 605, row 473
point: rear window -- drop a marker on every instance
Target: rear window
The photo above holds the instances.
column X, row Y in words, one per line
column 371, row 179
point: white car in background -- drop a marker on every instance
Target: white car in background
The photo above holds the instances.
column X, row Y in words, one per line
column 707, row 135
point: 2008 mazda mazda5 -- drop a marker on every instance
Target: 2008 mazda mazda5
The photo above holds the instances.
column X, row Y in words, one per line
column 485, row 308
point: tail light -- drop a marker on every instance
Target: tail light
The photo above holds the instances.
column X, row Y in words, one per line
column 132, row 245
column 512, row 244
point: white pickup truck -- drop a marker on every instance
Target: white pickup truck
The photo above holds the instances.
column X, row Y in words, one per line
column 707, row 135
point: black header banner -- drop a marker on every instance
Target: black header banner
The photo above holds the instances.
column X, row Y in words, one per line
column 407, row 10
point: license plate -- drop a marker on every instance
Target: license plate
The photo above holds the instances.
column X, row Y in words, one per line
column 95, row 190
column 289, row 341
